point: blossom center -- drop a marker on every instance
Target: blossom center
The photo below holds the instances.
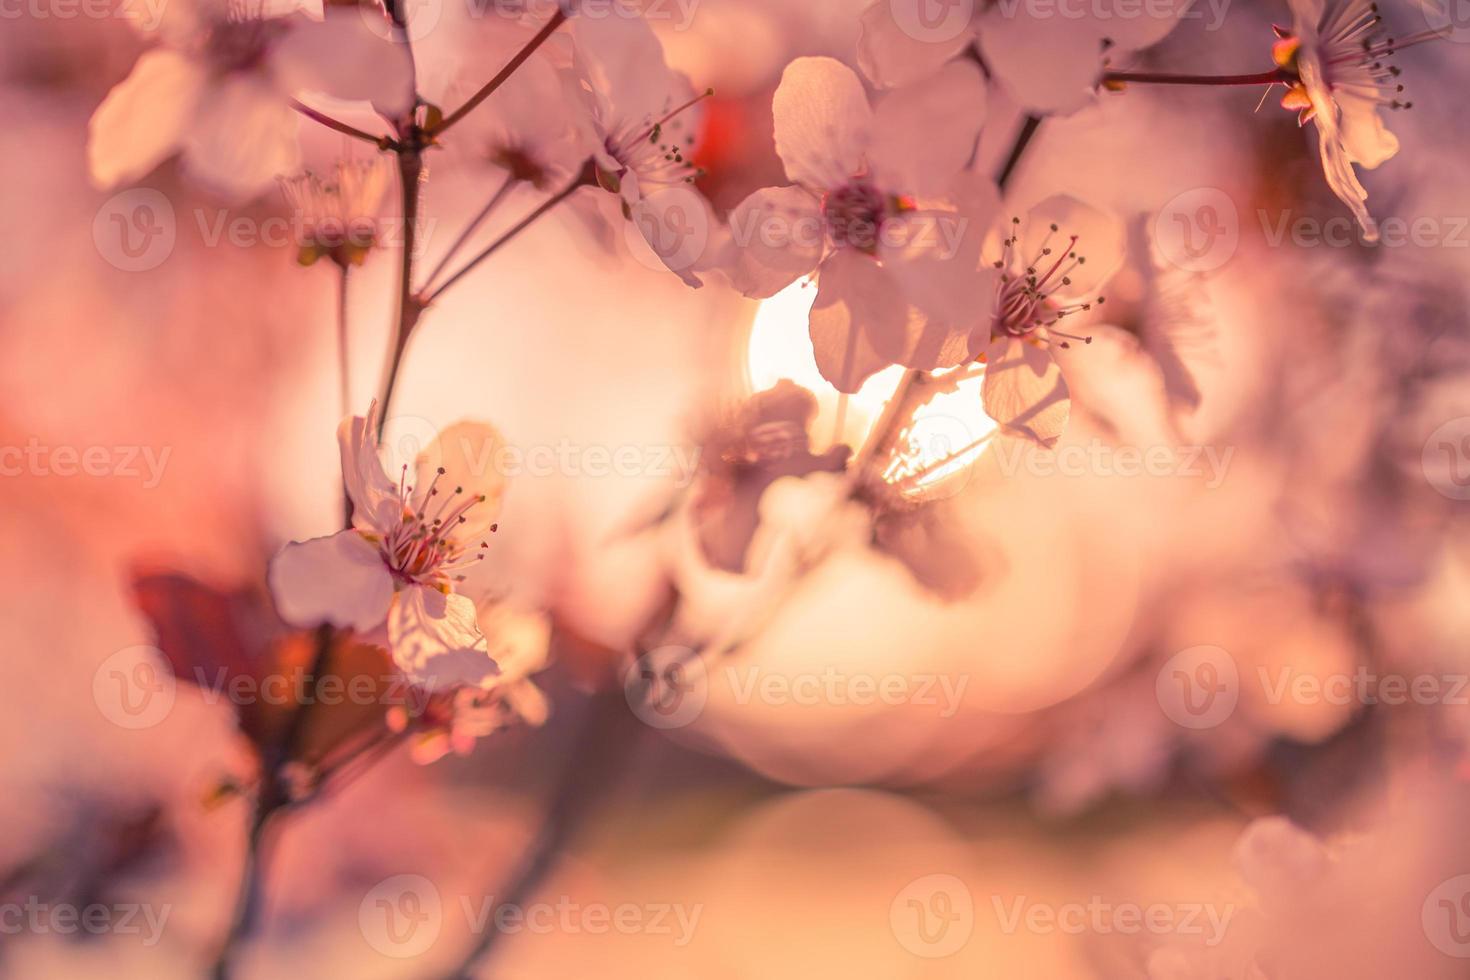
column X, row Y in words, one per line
column 520, row 164
column 337, row 211
column 657, row 149
column 425, row 547
column 855, row 214
column 236, row 45
column 1350, row 54
column 1027, row 299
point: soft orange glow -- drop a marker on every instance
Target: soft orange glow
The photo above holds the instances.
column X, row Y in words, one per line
column 947, row 434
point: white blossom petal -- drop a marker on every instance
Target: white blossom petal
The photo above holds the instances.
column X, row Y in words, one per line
column 245, row 139
column 890, row 55
column 858, row 320
column 777, row 235
column 823, row 122
column 1024, row 390
column 1048, row 64
column 144, row 118
column 435, row 640
column 936, row 254
column 621, row 64
column 1337, row 163
column 340, row 57
column 1366, row 139
column 376, row 505
column 925, row 133
column 339, row 579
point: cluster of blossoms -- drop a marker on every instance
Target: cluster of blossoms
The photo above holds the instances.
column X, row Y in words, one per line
column 917, row 258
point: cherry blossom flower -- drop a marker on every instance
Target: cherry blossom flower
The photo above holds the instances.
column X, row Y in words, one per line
column 880, row 210
column 643, row 119
column 1045, row 278
column 1049, row 57
column 767, row 440
column 533, row 130
column 218, row 88
column 338, row 212
column 399, row 564
column 1338, row 53
column 763, row 509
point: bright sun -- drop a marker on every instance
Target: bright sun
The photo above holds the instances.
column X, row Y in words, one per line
column 947, row 435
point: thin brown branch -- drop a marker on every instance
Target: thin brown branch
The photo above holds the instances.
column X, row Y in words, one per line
column 515, row 62
column 382, row 142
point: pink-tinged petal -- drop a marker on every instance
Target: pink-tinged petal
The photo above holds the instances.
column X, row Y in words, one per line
column 936, row 255
column 520, row 640
column 528, row 702
column 315, row 9
column 674, row 226
column 1102, row 240
column 1366, row 139
column 932, row 344
column 893, row 54
column 1024, row 390
column 376, row 505
column 339, row 579
column 1337, row 163
column 343, row 58
column 244, row 138
column 859, row 314
column 621, row 64
column 472, row 457
column 1049, row 64
column 434, row 639
column 823, row 122
column 925, row 133
column 144, row 117
column 1337, row 166
column 776, row 237
column 267, row 9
